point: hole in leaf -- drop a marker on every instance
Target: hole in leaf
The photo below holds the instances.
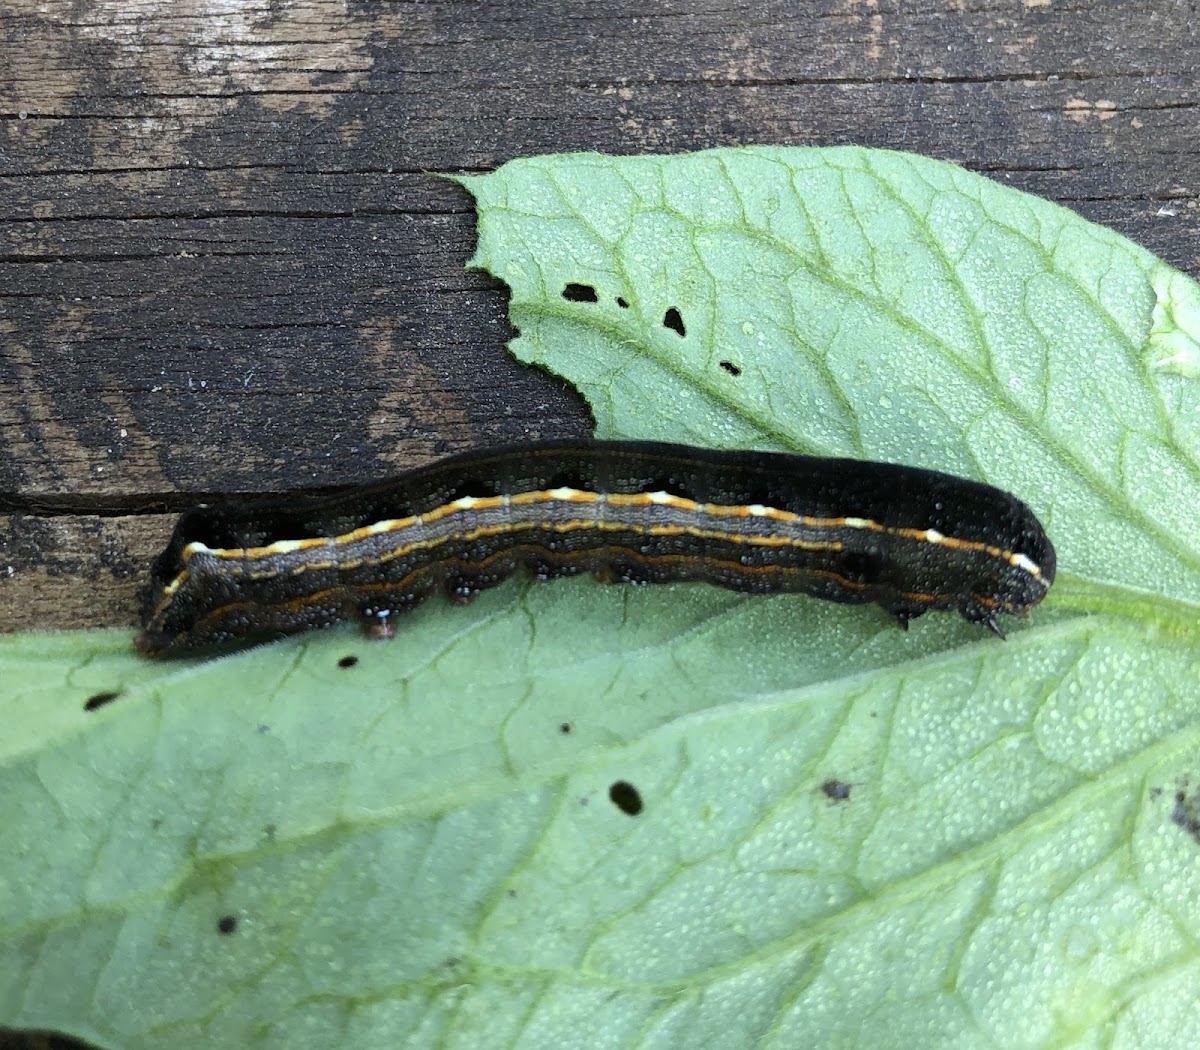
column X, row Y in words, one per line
column 99, row 700
column 227, row 924
column 622, row 303
column 836, row 790
column 672, row 320
column 731, row 368
column 1186, row 812
column 626, row 797
column 580, row 293
column 347, row 661
column 565, row 728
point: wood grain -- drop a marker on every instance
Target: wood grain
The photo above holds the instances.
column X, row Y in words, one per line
column 226, row 269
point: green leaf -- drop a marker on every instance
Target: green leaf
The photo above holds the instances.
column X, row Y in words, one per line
column 848, row 836
column 877, row 305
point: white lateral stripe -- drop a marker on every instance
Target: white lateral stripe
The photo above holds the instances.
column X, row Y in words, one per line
column 287, row 546
column 1022, row 561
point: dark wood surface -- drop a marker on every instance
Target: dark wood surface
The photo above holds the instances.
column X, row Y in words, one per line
column 225, row 267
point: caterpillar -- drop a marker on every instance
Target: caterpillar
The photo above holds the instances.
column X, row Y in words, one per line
column 636, row 512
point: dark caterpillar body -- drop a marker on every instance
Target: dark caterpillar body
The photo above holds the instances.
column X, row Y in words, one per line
column 638, row 512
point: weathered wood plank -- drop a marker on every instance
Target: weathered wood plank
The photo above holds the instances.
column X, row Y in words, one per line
column 225, row 267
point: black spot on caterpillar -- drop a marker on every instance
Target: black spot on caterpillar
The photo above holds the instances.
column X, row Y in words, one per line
column 634, row 512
